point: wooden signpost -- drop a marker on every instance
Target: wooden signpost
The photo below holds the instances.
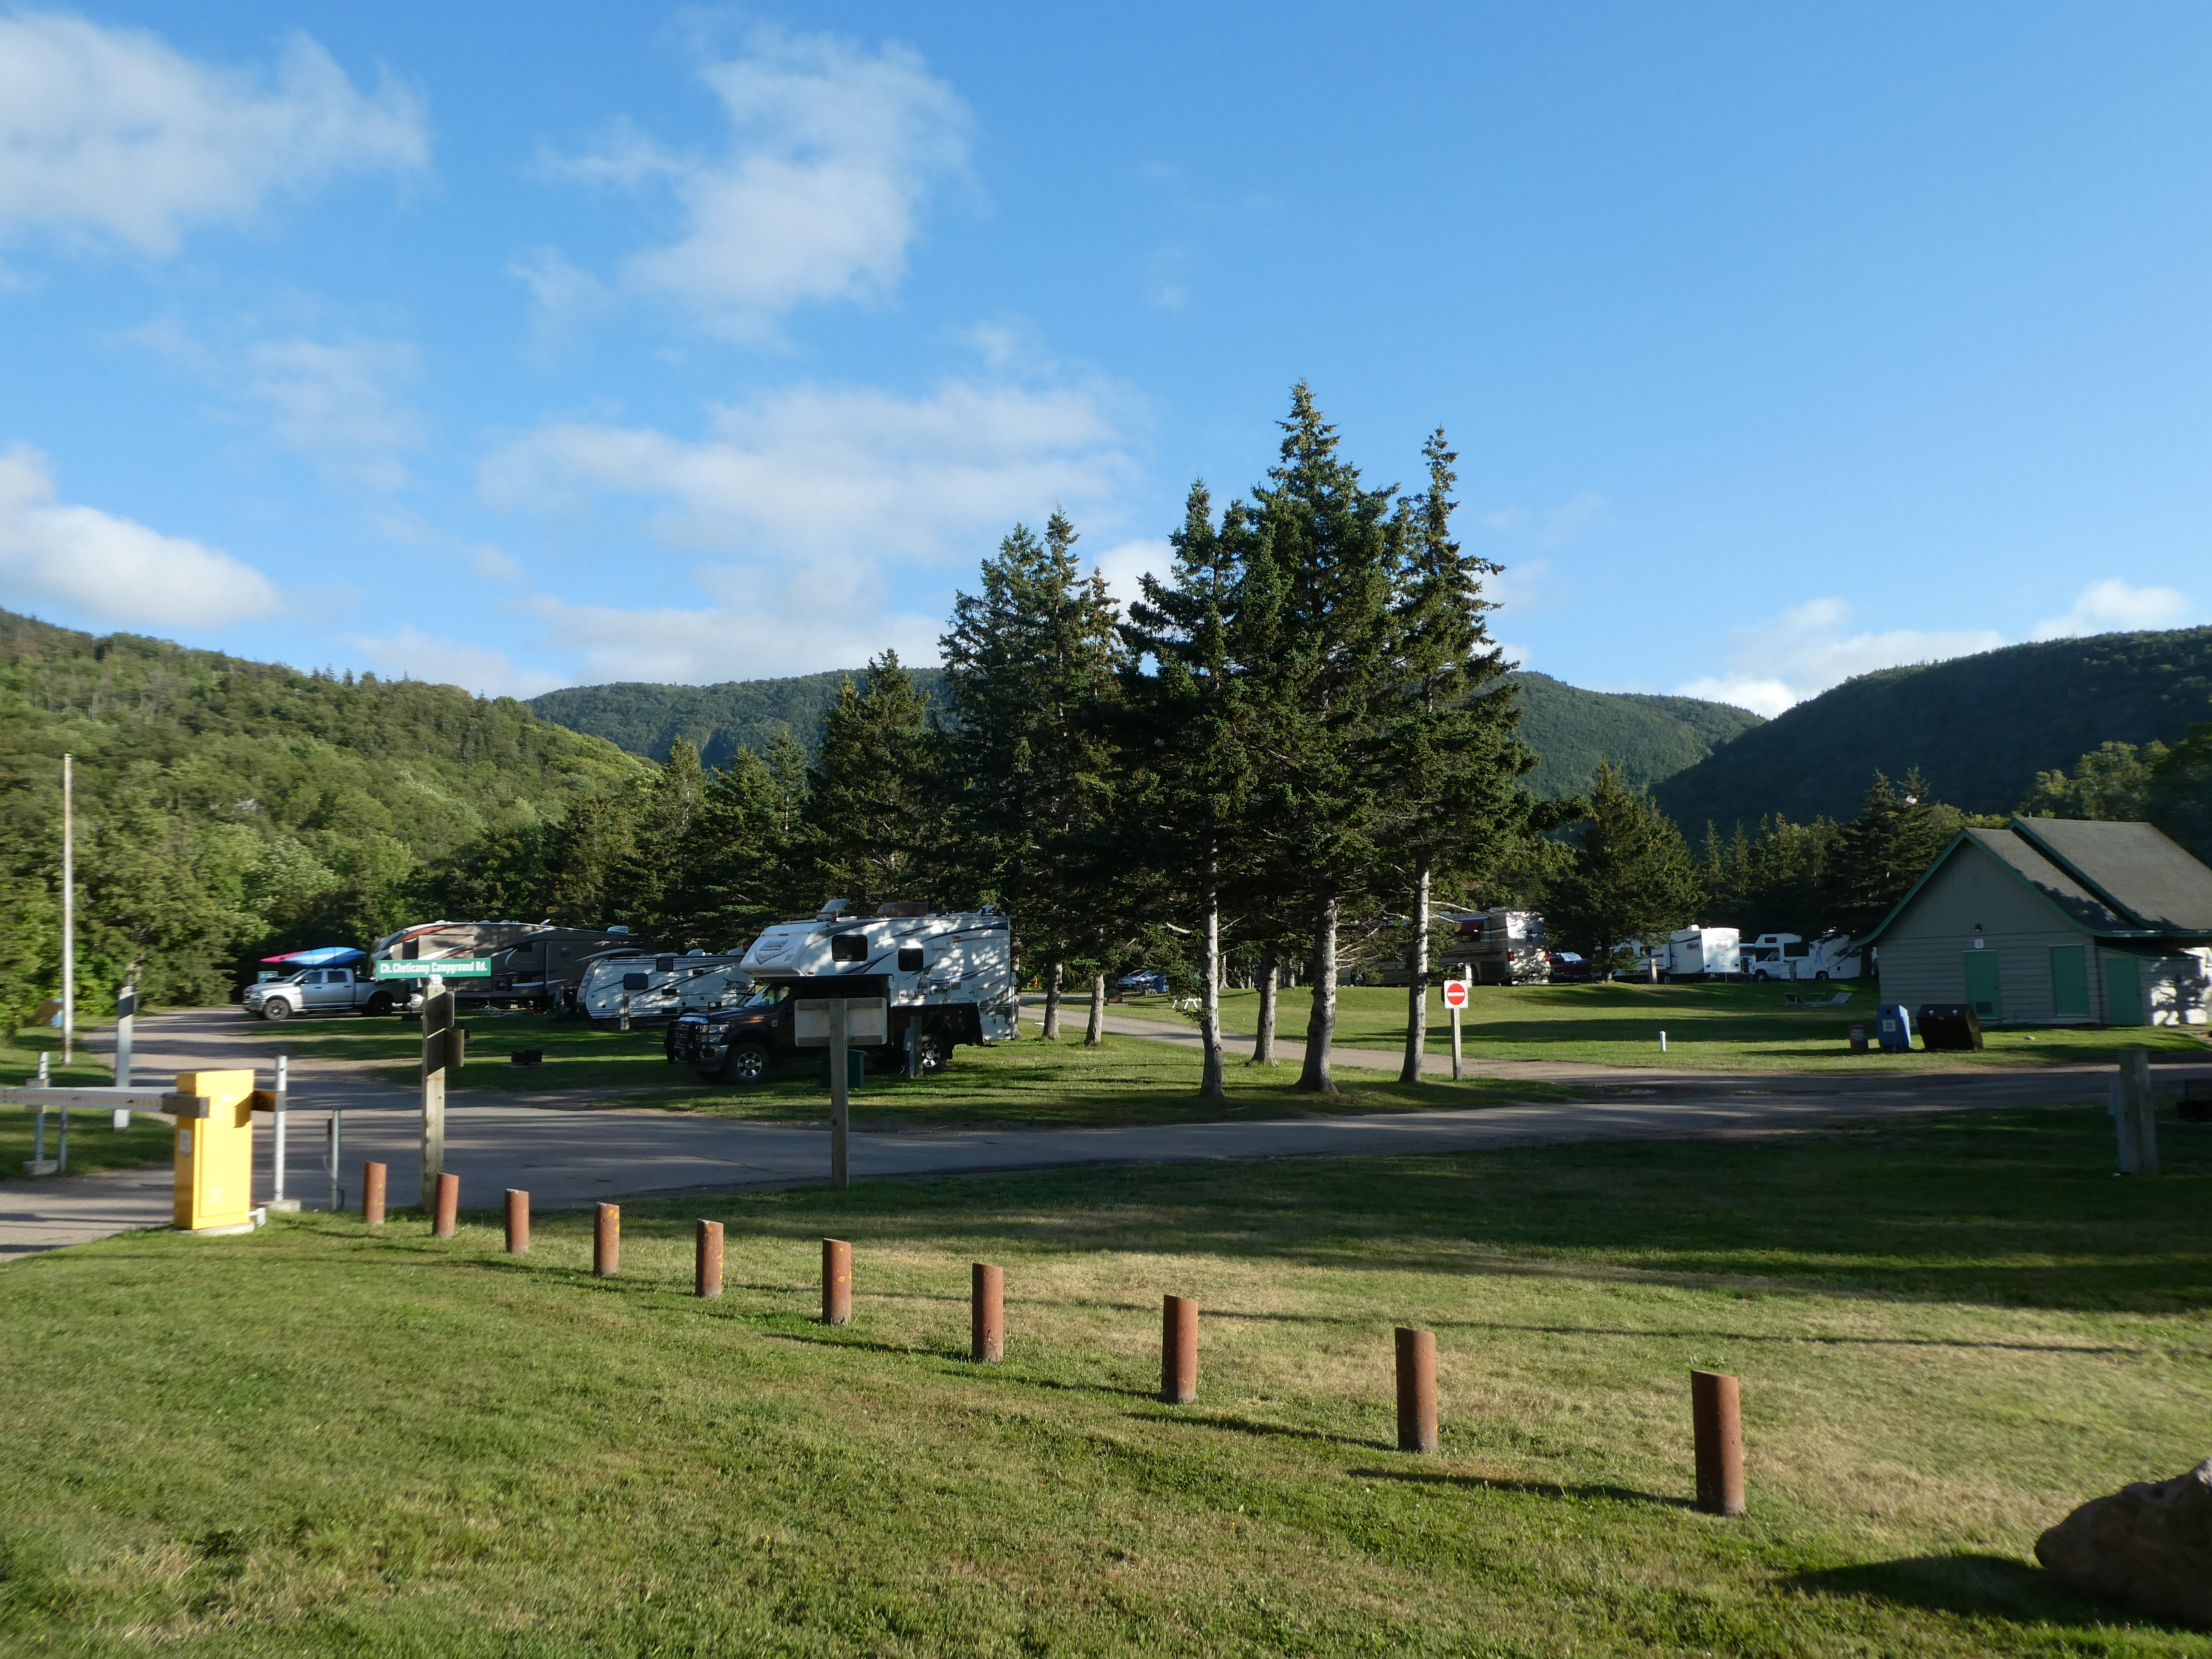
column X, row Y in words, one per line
column 443, row 1046
column 840, row 1025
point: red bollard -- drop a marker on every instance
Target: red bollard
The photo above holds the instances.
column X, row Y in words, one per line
column 986, row 1313
column 1178, row 1350
column 836, row 1282
column 606, row 1241
column 1716, row 1419
column 706, row 1276
column 1417, row 1390
column 518, row 1221
column 447, row 1214
column 372, row 1193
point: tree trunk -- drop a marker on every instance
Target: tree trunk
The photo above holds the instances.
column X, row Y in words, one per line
column 1320, row 1030
column 1095, row 1033
column 1417, row 983
column 1052, row 982
column 1210, row 1089
column 1263, row 1044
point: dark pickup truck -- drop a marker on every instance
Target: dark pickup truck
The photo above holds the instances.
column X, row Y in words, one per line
column 743, row 1045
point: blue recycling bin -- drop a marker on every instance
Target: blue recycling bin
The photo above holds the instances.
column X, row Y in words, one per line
column 1894, row 1027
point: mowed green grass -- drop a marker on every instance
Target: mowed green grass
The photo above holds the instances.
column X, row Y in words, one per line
column 1709, row 1027
column 94, row 1143
column 1028, row 1084
column 321, row 1440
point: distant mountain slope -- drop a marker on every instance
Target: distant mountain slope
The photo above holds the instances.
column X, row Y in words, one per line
column 1650, row 738
column 1979, row 727
column 716, row 719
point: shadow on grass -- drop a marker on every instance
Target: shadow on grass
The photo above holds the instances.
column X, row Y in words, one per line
column 1974, row 1585
column 1237, row 1424
column 1530, row 1488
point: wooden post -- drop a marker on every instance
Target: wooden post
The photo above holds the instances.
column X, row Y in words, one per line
column 446, row 1216
column 1178, row 1350
column 840, row 1108
column 1716, row 1425
column 518, row 1221
column 2139, row 1109
column 836, row 1282
column 1417, row 1390
column 706, row 1276
column 437, row 1020
column 606, row 1241
column 986, row 1313
column 372, row 1191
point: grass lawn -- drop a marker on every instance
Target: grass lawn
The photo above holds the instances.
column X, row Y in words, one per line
column 93, row 1143
column 319, row 1440
column 1711, row 1027
column 1028, row 1084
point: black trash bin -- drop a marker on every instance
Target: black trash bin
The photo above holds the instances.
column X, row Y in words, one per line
column 1948, row 1026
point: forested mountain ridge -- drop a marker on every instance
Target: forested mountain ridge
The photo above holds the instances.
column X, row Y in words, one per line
column 1977, row 728
column 1572, row 731
column 224, row 804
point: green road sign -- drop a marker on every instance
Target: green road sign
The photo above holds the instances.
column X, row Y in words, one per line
column 436, row 968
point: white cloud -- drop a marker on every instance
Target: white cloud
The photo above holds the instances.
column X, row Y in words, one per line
column 834, row 151
column 97, row 565
column 767, row 630
column 1122, row 566
column 1803, row 652
column 109, row 135
column 339, row 406
column 452, row 662
column 825, row 473
column 2112, row 606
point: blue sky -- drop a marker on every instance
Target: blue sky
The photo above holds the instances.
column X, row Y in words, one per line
column 524, row 346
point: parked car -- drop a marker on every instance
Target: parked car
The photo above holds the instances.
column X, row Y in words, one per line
column 1146, row 982
column 1568, row 966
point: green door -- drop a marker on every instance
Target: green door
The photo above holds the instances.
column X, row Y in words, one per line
column 2070, row 983
column 2122, row 992
column 1982, row 985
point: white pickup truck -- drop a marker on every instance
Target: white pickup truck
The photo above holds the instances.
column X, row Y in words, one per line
column 320, row 991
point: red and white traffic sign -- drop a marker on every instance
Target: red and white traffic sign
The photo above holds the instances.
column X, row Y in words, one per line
column 1454, row 993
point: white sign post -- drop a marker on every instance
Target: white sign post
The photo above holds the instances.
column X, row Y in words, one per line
column 1455, row 999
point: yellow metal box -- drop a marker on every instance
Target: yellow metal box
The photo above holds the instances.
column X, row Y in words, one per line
column 214, row 1149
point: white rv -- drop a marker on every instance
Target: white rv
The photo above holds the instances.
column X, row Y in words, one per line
column 656, row 988
column 1788, row 957
column 948, row 979
column 1701, row 953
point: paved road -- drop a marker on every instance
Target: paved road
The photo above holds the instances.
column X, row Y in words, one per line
column 568, row 1157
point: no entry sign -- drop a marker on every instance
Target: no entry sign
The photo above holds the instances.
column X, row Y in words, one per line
column 1454, row 993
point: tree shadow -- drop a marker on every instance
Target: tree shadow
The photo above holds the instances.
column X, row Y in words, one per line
column 1531, row 1488
column 1237, row 1424
column 1973, row 1585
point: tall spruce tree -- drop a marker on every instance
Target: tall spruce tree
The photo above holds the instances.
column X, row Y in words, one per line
column 1028, row 663
column 1194, row 721
column 1878, row 855
column 1331, row 545
column 1451, row 761
column 1632, row 879
column 873, row 814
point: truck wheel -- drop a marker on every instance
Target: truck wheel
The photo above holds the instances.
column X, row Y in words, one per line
column 933, row 1050
column 379, row 1006
column 1822, row 974
column 746, row 1065
column 276, row 1008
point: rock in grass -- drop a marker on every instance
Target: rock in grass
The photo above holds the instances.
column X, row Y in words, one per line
column 2148, row 1545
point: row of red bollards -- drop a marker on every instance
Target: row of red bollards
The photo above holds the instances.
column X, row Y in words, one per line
column 1715, row 1404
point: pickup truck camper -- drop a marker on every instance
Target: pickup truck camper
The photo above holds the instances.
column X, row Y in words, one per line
column 534, row 964
column 947, row 978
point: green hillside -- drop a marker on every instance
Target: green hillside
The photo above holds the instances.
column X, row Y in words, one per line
column 1650, row 737
column 1980, row 728
column 717, row 720
column 225, row 805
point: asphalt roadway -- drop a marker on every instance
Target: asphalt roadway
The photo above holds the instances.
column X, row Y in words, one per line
column 564, row 1156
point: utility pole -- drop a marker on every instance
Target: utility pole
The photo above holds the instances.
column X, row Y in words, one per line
column 69, row 910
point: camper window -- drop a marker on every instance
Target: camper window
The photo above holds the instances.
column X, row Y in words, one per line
column 849, row 947
column 910, row 959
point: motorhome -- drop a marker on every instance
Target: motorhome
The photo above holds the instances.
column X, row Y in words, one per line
column 1493, row 947
column 534, row 964
column 653, row 990
column 946, row 978
column 1790, row 956
column 1700, row 953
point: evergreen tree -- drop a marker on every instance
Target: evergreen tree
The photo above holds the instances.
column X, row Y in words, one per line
column 1889, row 846
column 1632, row 879
column 873, row 815
column 1451, row 762
column 1028, row 663
column 1775, row 880
column 1193, row 720
column 734, row 867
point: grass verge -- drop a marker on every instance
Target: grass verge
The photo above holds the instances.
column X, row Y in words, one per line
column 93, row 1143
column 1030, row 1084
column 319, row 1440
column 1709, row 1027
